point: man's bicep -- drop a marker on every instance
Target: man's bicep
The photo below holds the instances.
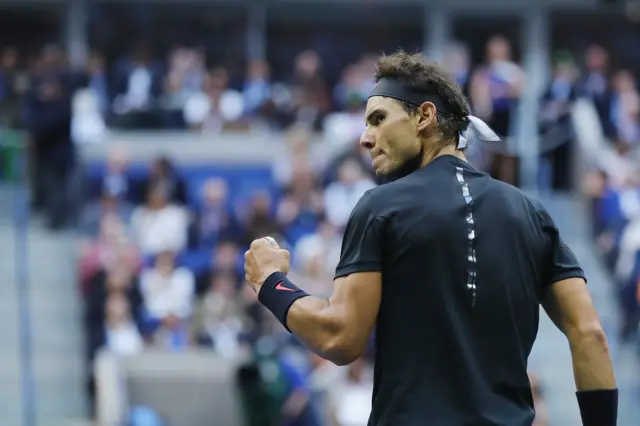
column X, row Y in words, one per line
column 569, row 305
column 356, row 299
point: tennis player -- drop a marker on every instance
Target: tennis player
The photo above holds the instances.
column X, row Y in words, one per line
column 449, row 266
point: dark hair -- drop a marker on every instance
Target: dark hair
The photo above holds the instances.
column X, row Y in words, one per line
column 415, row 72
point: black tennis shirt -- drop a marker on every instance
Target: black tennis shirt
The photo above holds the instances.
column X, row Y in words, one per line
column 464, row 259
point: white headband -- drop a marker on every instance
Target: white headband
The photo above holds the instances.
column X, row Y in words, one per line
column 477, row 129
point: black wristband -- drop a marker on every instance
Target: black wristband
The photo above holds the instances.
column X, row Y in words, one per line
column 598, row 407
column 278, row 294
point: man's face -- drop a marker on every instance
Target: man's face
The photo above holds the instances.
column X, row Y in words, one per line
column 392, row 135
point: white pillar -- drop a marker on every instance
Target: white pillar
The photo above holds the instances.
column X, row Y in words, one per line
column 535, row 46
column 437, row 29
column 256, row 31
column 75, row 34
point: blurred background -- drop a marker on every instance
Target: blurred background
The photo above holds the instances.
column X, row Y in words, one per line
column 144, row 144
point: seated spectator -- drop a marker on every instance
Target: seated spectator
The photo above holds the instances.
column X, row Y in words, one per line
column 324, row 244
column 323, row 378
column 217, row 318
column 158, row 226
column 296, row 154
column 224, row 261
column 163, row 171
column 184, row 80
column 212, row 221
column 115, row 180
column 121, row 334
column 256, row 219
column 219, row 108
column 302, row 206
column 138, row 84
column 110, row 204
column 342, row 196
column 117, row 281
column 257, row 88
column 351, row 398
column 103, row 251
column 167, row 294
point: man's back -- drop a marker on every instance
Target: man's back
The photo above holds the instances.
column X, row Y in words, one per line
column 464, row 260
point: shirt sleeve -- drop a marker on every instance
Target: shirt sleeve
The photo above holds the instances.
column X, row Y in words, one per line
column 362, row 241
column 562, row 262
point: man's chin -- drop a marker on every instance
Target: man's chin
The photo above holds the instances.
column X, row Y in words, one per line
column 389, row 174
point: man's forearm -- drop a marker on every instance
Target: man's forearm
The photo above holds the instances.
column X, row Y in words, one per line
column 318, row 325
column 592, row 365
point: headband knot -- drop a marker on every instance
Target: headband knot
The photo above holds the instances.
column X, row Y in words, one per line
column 472, row 126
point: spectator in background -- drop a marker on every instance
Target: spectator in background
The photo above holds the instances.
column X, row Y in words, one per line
column 158, row 226
column 212, row 220
column 257, row 88
column 302, row 206
column 595, row 84
column 138, row 84
column 496, row 87
column 310, row 98
column 115, row 180
column 224, row 261
column 297, row 153
column 324, row 244
column 121, row 334
column 224, row 106
column 458, row 63
column 14, row 84
column 98, row 82
column 341, row 196
column 184, row 80
column 350, row 399
column 555, row 115
column 625, row 108
column 117, row 280
column 163, row 171
column 48, row 118
column 257, row 220
column 104, row 250
column 323, row 378
column 110, row 204
column 167, row 294
column 217, row 319
column 560, row 91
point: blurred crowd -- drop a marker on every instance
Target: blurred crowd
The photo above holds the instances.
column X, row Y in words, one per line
column 161, row 261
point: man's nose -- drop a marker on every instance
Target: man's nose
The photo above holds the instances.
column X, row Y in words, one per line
column 366, row 140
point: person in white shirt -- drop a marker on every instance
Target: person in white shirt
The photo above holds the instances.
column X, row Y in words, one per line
column 167, row 291
column 158, row 226
column 122, row 336
column 341, row 196
column 326, row 242
column 350, row 399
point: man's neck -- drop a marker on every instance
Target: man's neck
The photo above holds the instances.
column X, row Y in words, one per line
column 447, row 150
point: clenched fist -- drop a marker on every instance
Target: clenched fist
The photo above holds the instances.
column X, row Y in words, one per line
column 262, row 259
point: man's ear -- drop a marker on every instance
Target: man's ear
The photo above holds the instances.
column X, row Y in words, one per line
column 427, row 116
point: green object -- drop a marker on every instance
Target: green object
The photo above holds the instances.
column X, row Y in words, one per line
column 11, row 149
